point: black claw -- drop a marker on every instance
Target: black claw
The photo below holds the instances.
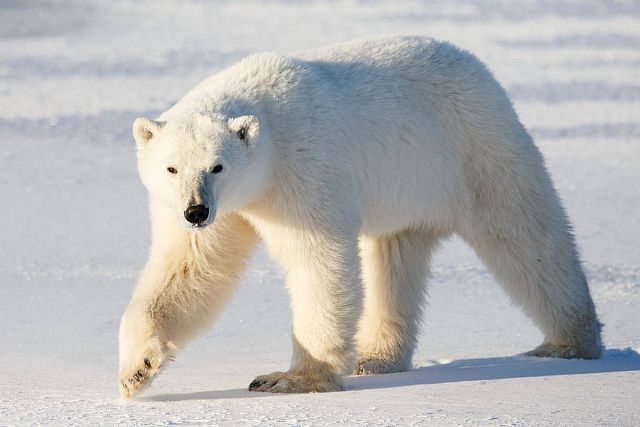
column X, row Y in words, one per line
column 256, row 383
column 147, row 363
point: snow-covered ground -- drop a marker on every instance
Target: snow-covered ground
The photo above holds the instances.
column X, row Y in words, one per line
column 74, row 230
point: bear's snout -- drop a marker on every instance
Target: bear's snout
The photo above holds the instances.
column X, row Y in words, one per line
column 196, row 214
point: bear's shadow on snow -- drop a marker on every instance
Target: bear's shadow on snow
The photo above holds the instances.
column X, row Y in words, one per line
column 493, row 368
column 498, row 368
column 205, row 395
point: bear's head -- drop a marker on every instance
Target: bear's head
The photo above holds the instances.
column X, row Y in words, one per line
column 201, row 166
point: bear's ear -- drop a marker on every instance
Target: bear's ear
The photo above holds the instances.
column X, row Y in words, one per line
column 246, row 128
column 145, row 129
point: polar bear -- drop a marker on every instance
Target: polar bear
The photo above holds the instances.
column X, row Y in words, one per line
column 351, row 163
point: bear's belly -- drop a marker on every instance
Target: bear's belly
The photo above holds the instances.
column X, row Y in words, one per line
column 410, row 204
column 403, row 188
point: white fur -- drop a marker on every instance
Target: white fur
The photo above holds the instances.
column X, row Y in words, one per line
column 351, row 163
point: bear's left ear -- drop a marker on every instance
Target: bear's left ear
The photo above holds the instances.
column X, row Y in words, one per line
column 246, row 128
column 145, row 129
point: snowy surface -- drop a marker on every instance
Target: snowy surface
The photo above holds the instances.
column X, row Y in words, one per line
column 74, row 229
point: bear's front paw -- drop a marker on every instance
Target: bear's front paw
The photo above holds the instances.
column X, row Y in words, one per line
column 285, row 382
column 138, row 373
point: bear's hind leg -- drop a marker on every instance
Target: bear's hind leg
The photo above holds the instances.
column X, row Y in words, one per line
column 528, row 246
column 395, row 270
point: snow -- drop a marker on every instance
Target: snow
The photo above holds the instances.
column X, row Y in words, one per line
column 74, row 229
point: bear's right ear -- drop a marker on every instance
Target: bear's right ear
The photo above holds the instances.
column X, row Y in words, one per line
column 145, row 129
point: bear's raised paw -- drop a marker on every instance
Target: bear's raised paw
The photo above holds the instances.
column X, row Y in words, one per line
column 139, row 374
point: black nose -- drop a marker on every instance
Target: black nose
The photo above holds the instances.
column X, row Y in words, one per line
column 196, row 214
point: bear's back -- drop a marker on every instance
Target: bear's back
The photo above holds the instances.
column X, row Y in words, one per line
column 350, row 68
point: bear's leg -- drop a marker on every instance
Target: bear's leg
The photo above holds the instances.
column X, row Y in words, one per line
column 395, row 270
column 188, row 277
column 530, row 250
column 324, row 285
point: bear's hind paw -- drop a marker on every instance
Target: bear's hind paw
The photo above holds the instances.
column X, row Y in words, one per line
column 374, row 364
column 564, row 351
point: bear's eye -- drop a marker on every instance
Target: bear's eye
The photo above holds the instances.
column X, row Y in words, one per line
column 242, row 134
column 217, row 169
column 172, row 170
